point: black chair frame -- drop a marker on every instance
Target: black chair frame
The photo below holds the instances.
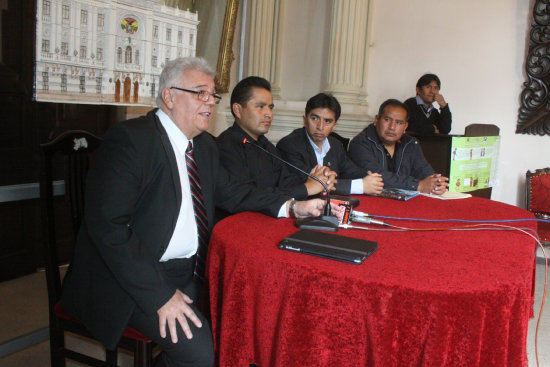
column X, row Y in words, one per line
column 76, row 147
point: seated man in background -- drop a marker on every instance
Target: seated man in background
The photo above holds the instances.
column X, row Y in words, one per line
column 252, row 107
column 383, row 147
column 312, row 145
column 423, row 115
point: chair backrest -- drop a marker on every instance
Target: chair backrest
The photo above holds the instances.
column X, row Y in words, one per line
column 75, row 147
column 482, row 130
column 537, row 192
column 341, row 139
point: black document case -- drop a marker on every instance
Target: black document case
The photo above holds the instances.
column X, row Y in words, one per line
column 330, row 246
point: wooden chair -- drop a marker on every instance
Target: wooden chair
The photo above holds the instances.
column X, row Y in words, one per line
column 76, row 148
column 482, row 130
column 537, row 199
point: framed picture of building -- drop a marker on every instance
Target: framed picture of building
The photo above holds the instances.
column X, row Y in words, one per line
column 107, row 51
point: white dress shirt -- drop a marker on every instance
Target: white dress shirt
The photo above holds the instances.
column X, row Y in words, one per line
column 184, row 241
column 356, row 184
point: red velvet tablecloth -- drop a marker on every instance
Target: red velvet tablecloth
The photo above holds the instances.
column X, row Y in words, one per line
column 453, row 298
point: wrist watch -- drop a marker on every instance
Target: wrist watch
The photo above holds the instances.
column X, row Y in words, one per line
column 291, row 209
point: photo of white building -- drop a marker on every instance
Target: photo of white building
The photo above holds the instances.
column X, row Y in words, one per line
column 107, row 51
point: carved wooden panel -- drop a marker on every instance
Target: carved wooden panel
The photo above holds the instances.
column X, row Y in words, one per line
column 534, row 113
column 23, row 126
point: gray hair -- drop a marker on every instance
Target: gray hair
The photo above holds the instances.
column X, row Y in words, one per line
column 172, row 72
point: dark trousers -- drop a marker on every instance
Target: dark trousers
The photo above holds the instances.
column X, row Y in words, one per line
column 199, row 350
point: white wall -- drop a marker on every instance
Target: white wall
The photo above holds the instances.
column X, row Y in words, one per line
column 477, row 48
column 304, row 42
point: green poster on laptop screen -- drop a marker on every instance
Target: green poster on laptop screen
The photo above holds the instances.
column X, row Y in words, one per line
column 473, row 163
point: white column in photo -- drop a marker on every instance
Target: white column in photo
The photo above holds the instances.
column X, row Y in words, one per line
column 347, row 59
column 264, row 42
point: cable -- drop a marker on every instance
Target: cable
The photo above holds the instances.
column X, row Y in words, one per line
column 544, row 290
column 460, row 220
column 395, row 228
column 543, row 300
column 473, row 227
column 367, row 220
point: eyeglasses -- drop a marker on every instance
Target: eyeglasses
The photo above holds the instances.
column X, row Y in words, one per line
column 201, row 95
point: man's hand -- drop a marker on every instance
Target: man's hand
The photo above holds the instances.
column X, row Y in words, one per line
column 373, row 183
column 177, row 309
column 440, row 100
column 324, row 174
column 434, row 184
column 331, row 176
column 315, row 208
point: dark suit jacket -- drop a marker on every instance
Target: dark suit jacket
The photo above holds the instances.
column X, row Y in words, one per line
column 133, row 197
column 297, row 149
column 367, row 150
column 256, row 167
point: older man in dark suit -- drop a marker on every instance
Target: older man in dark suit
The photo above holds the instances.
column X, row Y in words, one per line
column 150, row 198
column 313, row 145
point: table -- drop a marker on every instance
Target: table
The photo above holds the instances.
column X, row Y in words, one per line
column 453, row 298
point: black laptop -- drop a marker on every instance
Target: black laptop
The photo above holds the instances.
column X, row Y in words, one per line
column 329, row 246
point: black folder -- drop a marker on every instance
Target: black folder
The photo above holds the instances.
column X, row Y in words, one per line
column 329, row 246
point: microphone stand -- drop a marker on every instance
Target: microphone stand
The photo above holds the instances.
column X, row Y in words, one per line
column 326, row 222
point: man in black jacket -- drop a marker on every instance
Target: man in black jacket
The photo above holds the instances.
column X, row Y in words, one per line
column 384, row 147
column 424, row 118
column 252, row 106
column 313, row 145
column 150, row 196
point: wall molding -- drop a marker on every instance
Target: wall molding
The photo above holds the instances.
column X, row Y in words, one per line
column 28, row 191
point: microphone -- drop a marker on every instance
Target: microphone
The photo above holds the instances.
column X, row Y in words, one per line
column 325, row 222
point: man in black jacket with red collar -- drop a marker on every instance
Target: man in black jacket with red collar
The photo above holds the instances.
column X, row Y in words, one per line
column 252, row 106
